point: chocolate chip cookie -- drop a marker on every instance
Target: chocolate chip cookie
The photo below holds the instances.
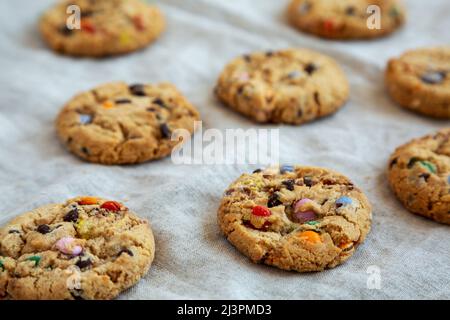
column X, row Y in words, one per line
column 86, row 248
column 346, row 19
column 120, row 124
column 419, row 174
column 295, row 218
column 420, row 81
column 291, row 86
column 105, row 27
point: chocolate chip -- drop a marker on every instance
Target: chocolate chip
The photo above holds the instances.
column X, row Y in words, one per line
column 86, row 13
column 350, row 11
column 308, row 181
column 151, row 109
column 247, row 57
column 160, row 103
column 317, row 98
column 76, row 294
column 85, row 150
column 122, row 101
column 65, row 31
column 412, row 162
column 434, row 77
column 137, row 90
column 257, row 171
column 71, row 216
column 269, row 53
column 425, row 176
column 69, row 140
column 83, row 263
column 229, row 191
column 273, row 201
column 393, row 162
column 165, row 131
column 310, row 68
column 127, row 251
column 43, row 228
column 289, row 184
column 240, row 90
column 13, row 231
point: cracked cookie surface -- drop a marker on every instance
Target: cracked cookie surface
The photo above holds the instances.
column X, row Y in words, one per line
column 345, row 19
column 107, row 27
column 86, row 248
column 291, row 86
column 120, row 124
column 419, row 174
column 295, row 218
column 419, row 80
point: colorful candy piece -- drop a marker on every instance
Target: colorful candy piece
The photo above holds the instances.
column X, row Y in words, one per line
column 312, row 223
column 108, row 104
column 261, row 211
column 346, row 245
column 328, row 26
column 124, row 38
column 448, row 179
column 310, row 237
column 303, row 217
column 138, row 23
column 430, row 166
column 88, row 201
column 111, row 206
column 88, row 26
column 304, row 8
column 286, row 168
column 433, row 77
column 344, row 200
column 35, row 259
column 2, row 266
column 85, row 119
column 294, row 75
column 300, row 203
column 68, row 245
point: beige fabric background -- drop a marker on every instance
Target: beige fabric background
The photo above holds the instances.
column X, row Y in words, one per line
column 192, row 259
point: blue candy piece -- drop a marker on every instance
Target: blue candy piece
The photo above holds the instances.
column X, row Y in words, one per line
column 85, row 118
column 342, row 201
column 286, row 168
column 448, row 179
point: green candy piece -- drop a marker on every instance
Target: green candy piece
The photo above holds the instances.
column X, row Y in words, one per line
column 2, row 266
column 430, row 166
column 36, row 260
column 312, row 223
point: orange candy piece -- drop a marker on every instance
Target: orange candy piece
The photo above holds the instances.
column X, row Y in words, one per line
column 108, row 104
column 310, row 236
column 88, row 200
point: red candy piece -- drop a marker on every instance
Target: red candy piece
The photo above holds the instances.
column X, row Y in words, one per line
column 328, row 25
column 139, row 23
column 261, row 211
column 111, row 206
column 87, row 26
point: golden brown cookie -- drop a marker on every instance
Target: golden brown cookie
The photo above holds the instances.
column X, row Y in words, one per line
column 420, row 81
column 120, row 124
column 291, row 86
column 419, row 174
column 295, row 218
column 107, row 27
column 86, row 248
column 345, row 19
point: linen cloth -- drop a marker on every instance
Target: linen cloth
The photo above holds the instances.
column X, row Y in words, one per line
column 193, row 260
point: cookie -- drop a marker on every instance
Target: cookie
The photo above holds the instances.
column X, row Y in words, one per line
column 345, row 19
column 120, row 124
column 291, row 86
column 106, row 27
column 295, row 218
column 419, row 175
column 420, row 81
column 86, row 248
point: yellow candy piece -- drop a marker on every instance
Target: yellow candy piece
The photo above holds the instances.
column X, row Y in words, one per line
column 83, row 228
column 124, row 38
